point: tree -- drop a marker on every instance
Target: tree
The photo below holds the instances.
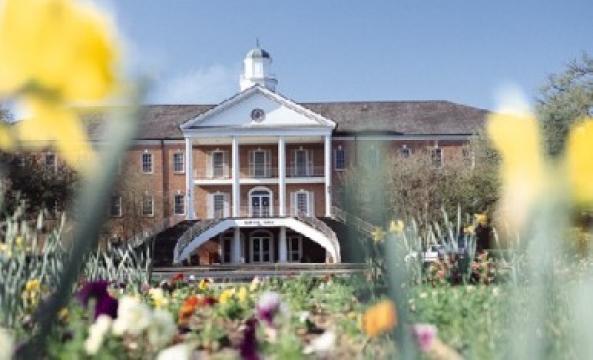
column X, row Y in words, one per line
column 565, row 99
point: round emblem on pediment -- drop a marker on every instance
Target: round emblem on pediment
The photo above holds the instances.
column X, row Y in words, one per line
column 257, row 115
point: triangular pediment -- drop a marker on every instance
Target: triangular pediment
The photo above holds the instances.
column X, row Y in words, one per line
column 258, row 107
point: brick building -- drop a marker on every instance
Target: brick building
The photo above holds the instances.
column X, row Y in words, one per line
column 251, row 179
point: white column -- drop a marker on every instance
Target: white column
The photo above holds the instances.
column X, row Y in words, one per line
column 235, row 176
column 236, row 247
column 189, row 180
column 282, row 176
column 328, row 175
column 282, row 251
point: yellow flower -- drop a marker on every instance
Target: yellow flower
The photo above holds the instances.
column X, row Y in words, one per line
column 579, row 161
column 378, row 234
column 54, row 53
column 204, row 284
column 60, row 46
column 254, row 284
column 396, row 227
column 63, row 314
column 33, row 285
column 516, row 137
column 379, row 318
column 469, row 230
column 226, row 295
column 158, row 297
column 243, row 294
column 481, row 219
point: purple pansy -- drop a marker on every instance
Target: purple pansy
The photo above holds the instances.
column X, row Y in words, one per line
column 248, row 346
column 105, row 304
column 268, row 306
column 425, row 335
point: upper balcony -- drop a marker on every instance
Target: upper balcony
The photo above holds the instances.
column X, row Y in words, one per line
column 258, row 174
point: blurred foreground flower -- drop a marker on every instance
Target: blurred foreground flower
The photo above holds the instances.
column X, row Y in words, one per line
column 396, row 227
column 579, row 161
column 268, row 306
column 515, row 134
column 431, row 345
column 105, row 304
column 379, row 318
column 6, row 344
column 54, row 53
column 97, row 333
column 133, row 317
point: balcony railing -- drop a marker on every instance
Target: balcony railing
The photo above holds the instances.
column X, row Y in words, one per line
column 259, row 172
column 305, row 171
column 218, row 173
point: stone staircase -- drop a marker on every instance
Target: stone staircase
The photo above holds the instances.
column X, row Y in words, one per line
column 164, row 242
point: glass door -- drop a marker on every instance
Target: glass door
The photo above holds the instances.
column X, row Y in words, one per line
column 260, row 204
column 261, row 248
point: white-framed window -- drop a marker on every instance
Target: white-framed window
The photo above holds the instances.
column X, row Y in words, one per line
column 405, row 151
column 302, row 203
column 218, row 205
column 261, row 246
column 147, row 205
column 147, row 162
column 260, row 202
column 295, row 248
column 179, row 204
column 178, row 163
column 259, row 163
column 302, row 160
column 436, row 155
column 115, row 210
column 340, row 158
column 50, row 161
column 218, row 164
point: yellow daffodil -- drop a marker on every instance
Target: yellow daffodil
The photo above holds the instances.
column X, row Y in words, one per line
column 378, row 234
column 379, row 318
column 516, row 136
column 243, row 294
column 396, row 227
column 204, row 284
column 481, row 219
column 158, row 297
column 579, row 161
column 32, row 293
column 54, row 53
column 226, row 295
column 33, row 285
column 63, row 314
column 469, row 230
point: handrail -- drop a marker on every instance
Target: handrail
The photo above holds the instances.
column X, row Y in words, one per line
column 137, row 240
column 196, row 229
column 322, row 227
column 358, row 223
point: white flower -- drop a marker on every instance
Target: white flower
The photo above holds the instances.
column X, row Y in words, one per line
column 304, row 316
column 323, row 344
column 97, row 333
column 177, row 352
column 6, row 344
column 162, row 329
column 133, row 316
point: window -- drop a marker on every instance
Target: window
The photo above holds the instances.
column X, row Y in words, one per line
column 148, row 205
column 147, row 163
column 405, row 152
column 301, row 160
column 340, row 160
column 226, row 243
column 179, row 204
column 50, row 161
column 302, row 203
column 116, row 208
column 469, row 157
column 218, row 168
column 295, row 248
column 178, row 163
column 259, row 166
column 218, row 205
column 437, row 157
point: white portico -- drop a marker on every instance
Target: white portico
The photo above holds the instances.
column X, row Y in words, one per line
column 259, row 160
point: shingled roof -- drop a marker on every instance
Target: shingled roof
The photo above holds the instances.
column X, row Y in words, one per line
column 356, row 117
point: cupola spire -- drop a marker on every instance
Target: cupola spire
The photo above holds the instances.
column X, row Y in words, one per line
column 256, row 69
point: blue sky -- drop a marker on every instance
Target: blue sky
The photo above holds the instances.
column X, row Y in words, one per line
column 458, row 50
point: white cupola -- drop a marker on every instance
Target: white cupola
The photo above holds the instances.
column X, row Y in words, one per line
column 256, row 70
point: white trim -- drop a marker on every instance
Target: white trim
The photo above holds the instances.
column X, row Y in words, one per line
column 178, row 193
column 152, row 205
column 442, row 155
column 261, row 188
column 321, row 120
column 331, row 246
column 251, row 132
column 225, row 164
column 147, row 152
column 211, row 203
column 295, row 204
column 426, row 137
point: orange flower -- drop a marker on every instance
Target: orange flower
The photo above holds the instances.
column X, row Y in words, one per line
column 379, row 318
column 188, row 308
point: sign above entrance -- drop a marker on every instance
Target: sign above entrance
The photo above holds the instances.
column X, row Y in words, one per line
column 259, row 222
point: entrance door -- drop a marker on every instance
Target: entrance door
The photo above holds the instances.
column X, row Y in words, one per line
column 261, row 247
column 260, row 203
